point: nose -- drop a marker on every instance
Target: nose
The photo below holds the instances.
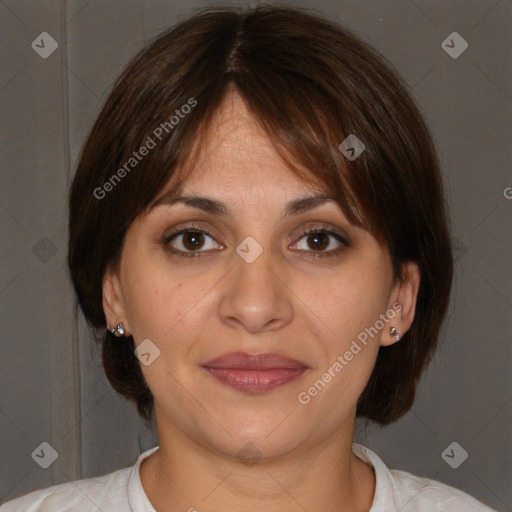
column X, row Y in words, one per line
column 255, row 295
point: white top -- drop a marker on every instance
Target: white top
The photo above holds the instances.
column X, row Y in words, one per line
column 120, row 491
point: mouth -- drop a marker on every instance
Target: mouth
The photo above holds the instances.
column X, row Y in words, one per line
column 254, row 373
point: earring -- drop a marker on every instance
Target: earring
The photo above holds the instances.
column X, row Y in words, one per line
column 394, row 333
column 117, row 331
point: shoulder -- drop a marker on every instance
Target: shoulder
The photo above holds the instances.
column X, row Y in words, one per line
column 107, row 492
column 399, row 490
column 423, row 494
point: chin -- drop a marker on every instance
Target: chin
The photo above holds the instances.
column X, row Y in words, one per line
column 272, row 434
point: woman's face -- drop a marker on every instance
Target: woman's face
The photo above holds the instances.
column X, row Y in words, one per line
column 251, row 281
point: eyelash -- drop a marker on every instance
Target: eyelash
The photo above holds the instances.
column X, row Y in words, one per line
column 195, row 229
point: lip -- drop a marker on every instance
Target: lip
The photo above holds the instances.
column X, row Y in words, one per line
column 254, row 373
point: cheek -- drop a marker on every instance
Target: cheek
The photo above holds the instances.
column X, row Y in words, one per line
column 161, row 301
column 155, row 308
column 350, row 300
column 351, row 305
column 153, row 297
column 363, row 299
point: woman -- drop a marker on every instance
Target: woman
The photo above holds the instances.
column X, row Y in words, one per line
column 258, row 220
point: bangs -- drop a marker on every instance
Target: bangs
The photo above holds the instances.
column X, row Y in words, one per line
column 304, row 136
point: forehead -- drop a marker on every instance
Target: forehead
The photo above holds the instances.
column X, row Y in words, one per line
column 235, row 170
column 237, row 154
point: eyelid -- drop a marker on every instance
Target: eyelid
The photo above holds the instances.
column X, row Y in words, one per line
column 323, row 227
column 342, row 239
column 180, row 230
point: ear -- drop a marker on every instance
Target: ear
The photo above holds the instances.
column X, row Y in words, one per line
column 403, row 302
column 113, row 302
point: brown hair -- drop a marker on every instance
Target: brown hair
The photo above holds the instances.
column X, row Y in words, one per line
column 310, row 84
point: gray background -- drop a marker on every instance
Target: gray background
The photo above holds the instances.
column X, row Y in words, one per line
column 52, row 388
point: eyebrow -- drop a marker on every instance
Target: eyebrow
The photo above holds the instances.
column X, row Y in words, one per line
column 215, row 207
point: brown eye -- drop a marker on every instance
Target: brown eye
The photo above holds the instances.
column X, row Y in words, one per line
column 320, row 242
column 317, row 241
column 192, row 240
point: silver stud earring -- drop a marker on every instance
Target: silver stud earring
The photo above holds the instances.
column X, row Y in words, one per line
column 394, row 333
column 117, row 331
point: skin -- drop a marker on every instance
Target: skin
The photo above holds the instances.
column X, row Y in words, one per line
column 286, row 301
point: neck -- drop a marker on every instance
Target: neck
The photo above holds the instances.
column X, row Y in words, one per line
column 327, row 477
